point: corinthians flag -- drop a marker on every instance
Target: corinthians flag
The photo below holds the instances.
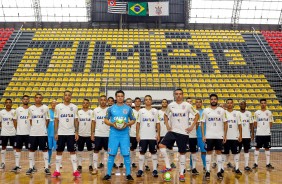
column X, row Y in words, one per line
column 158, row 8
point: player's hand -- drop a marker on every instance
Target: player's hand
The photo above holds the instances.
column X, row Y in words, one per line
column 189, row 129
column 240, row 139
column 224, row 140
column 138, row 138
column 158, row 139
column 76, row 137
column 92, row 137
column 56, row 137
column 204, row 138
column 168, row 128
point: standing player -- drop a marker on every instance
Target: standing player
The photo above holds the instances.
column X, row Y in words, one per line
column 66, row 132
column 178, row 112
column 245, row 117
column 215, row 122
column 263, row 122
column 146, row 135
column 8, row 132
column 119, row 137
column 84, row 132
column 51, row 139
column 111, row 101
column 234, row 136
column 38, row 114
column 22, row 126
column 99, row 131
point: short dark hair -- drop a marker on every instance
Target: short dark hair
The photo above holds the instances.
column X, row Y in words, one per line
column 229, row 99
column 111, row 98
column 188, row 98
column 85, row 99
column 199, row 99
column 119, row 91
column 137, row 98
column 8, row 99
column 25, row 96
column 128, row 99
column 148, row 96
column 261, row 100
column 211, row 95
column 178, row 89
column 67, row 91
column 165, row 100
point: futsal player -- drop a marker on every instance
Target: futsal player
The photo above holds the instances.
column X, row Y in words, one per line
column 51, row 139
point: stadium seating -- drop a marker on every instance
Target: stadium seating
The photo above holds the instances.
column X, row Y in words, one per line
column 4, row 36
column 274, row 38
column 88, row 60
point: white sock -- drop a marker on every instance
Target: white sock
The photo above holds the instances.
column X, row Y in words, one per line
column 163, row 151
column 219, row 162
column 95, row 160
column 223, row 156
column 45, row 157
column 14, row 152
column 246, row 156
column 171, row 155
column 155, row 161
column 58, row 162
column 102, row 156
column 17, row 158
column 3, row 156
column 236, row 160
column 208, row 162
column 90, row 158
column 141, row 161
column 132, row 155
column 146, row 159
column 79, row 158
column 31, row 159
column 74, row 162
column 182, row 160
column 194, row 160
column 267, row 156
column 256, row 155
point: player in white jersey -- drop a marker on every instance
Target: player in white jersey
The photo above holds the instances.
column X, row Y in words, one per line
column 38, row 114
column 234, row 136
column 146, row 135
column 8, row 131
column 22, row 126
column 178, row 113
column 85, row 116
column 214, row 120
column 246, row 120
column 263, row 120
column 99, row 132
column 66, row 132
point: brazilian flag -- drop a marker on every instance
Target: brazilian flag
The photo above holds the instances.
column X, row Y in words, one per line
column 137, row 9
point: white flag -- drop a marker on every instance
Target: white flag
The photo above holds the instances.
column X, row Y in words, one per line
column 118, row 7
column 158, row 8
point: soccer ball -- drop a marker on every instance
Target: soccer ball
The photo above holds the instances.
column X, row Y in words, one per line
column 167, row 176
column 119, row 123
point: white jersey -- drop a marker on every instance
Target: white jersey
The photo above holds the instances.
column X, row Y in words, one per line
column 6, row 119
column 38, row 117
column 84, row 120
column 233, row 123
column 214, row 119
column 101, row 129
column 23, row 123
column 163, row 128
column 193, row 133
column 246, row 119
column 178, row 116
column 263, row 118
column 66, row 115
column 148, row 120
column 133, row 127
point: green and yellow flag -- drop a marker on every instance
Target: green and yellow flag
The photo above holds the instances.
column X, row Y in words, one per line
column 137, row 9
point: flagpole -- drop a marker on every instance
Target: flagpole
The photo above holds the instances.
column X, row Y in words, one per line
column 120, row 22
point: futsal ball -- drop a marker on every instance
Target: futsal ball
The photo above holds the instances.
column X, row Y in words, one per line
column 120, row 123
column 167, row 176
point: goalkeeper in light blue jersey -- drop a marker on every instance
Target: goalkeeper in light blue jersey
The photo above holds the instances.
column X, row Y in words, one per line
column 50, row 130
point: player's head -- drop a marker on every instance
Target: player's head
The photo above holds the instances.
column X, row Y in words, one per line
column 178, row 94
column 103, row 101
column 189, row 100
column 25, row 100
column 263, row 103
column 229, row 103
column 243, row 105
column 8, row 103
column 128, row 102
column 111, row 101
column 119, row 96
column 148, row 100
column 213, row 100
column 85, row 103
column 164, row 103
column 53, row 104
column 38, row 98
column 67, row 96
column 199, row 103
column 137, row 102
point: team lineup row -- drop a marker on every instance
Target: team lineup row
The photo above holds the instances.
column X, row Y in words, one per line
column 117, row 125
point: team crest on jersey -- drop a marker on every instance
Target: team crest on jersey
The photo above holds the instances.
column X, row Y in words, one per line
column 247, row 115
column 218, row 112
column 42, row 110
column 71, row 108
column 234, row 115
column 89, row 114
column 153, row 113
column 183, row 107
column 124, row 111
column 266, row 114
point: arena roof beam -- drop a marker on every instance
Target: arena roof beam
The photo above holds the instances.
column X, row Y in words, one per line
column 236, row 13
column 37, row 12
column 187, row 9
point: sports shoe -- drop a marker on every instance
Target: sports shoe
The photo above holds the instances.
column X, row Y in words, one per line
column 181, row 178
column 115, row 165
column 221, row 171
column 90, row 168
column 247, row 168
column 107, row 177
column 34, row 169
column 188, row 169
column 214, row 165
column 100, row 166
column 269, row 166
column 129, row 178
column 61, row 166
column 255, row 166
column 230, row 166
column 120, row 165
column 238, row 172
column 165, row 170
column 207, row 176
column 2, row 166
column 29, row 171
column 79, row 168
column 172, row 165
column 219, row 176
column 204, row 169
column 49, row 166
column 76, row 174
column 47, row 171
column 147, row 168
column 15, row 169
column 133, row 165
column 56, row 174
column 195, row 172
column 155, row 173
column 94, row 172
column 139, row 173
